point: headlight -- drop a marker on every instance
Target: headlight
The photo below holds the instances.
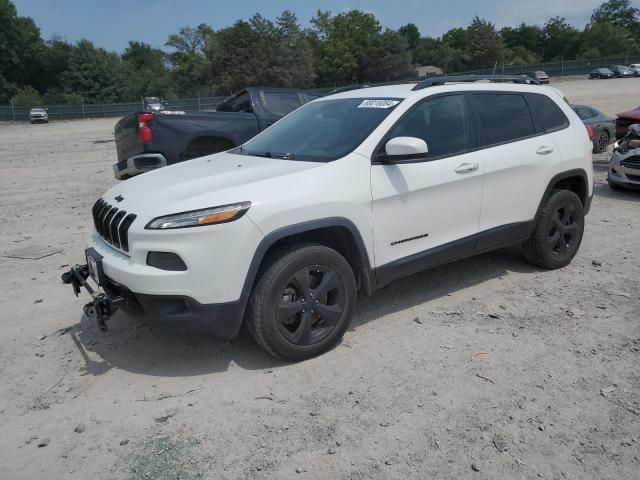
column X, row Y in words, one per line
column 198, row 218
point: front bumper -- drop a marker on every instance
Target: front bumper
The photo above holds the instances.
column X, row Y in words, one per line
column 622, row 171
column 223, row 319
column 138, row 164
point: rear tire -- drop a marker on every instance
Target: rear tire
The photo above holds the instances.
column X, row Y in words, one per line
column 601, row 144
column 558, row 231
column 303, row 302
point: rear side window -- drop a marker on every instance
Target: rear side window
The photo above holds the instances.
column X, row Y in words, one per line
column 280, row 103
column 584, row 113
column 548, row 113
column 239, row 104
column 503, row 117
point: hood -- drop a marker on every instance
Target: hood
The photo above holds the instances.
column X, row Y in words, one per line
column 204, row 182
column 635, row 114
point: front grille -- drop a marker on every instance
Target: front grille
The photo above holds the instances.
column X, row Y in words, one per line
column 631, row 162
column 634, row 178
column 112, row 224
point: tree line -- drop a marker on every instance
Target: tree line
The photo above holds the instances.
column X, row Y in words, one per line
column 336, row 49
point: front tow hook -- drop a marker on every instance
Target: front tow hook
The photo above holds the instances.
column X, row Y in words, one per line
column 102, row 307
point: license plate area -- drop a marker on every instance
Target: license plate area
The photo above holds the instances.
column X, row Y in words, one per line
column 94, row 264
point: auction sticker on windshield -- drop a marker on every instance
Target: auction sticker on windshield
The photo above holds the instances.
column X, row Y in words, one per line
column 378, row 103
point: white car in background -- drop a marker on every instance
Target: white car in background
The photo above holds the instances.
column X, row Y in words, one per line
column 345, row 194
column 38, row 115
column 635, row 67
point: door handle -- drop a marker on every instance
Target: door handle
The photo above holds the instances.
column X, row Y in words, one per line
column 544, row 150
column 467, row 167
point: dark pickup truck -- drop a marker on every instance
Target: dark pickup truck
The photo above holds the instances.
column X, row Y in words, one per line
column 149, row 140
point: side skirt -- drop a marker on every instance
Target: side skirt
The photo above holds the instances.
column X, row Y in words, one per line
column 493, row 239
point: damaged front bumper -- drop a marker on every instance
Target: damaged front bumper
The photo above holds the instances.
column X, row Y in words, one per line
column 221, row 319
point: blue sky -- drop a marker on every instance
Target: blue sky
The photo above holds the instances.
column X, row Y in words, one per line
column 112, row 23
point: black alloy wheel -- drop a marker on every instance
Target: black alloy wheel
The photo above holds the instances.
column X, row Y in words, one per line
column 303, row 301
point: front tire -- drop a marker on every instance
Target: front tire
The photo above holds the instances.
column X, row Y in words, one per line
column 303, row 302
column 558, row 231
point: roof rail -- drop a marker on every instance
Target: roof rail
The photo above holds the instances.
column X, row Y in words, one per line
column 436, row 81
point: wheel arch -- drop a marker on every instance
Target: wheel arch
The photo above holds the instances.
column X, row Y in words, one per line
column 336, row 232
column 575, row 180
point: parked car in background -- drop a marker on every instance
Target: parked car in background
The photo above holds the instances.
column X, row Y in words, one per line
column 149, row 140
column 39, row 115
column 635, row 68
column 624, row 166
column 624, row 120
column 152, row 103
column 621, row 71
column 601, row 127
column 539, row 75
column 601, row 73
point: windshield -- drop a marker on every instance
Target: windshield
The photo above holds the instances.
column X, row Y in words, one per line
column 321, row 131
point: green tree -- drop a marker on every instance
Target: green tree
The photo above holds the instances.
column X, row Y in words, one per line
column 485, row 45
column 20, row 50
column 189, row 58
column 94, row 73
column 389, row 58
column 27, row 97
column 345, row 43
column 412, row 34
column 603, row 38
column 620, row 13
column 524, row 36
column 559, row 39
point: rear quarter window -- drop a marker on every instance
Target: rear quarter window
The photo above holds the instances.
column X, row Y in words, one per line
column 503, row 117
column 547, row 112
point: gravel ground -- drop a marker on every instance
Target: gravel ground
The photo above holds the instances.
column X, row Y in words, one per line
column 485, row 368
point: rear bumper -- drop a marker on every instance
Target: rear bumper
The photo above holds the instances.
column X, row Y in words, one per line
column 138, row 164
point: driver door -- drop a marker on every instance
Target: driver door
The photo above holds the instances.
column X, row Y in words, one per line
column 427, row 212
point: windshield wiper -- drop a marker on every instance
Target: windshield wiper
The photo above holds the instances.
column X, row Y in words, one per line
column 285, row 156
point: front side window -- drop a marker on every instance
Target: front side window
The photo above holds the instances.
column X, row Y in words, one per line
column 441, row 122
column 321, row 131
column 503, row 117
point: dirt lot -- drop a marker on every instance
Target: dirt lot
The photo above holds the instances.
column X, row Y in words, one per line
column 439, row 370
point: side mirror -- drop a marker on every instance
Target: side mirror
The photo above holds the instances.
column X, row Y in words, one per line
column 401, row 149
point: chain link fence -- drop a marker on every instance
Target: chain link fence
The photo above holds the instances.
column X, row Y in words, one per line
column 562, row 68
column 69, row 112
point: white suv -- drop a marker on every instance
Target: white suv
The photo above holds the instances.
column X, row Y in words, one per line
column 345, row 194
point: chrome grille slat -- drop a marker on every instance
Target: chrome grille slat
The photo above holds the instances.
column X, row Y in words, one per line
column 112, row 224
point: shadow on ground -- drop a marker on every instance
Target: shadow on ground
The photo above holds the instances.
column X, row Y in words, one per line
column 139, row 345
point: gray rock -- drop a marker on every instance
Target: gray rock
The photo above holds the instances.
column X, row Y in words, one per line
column 124, row 442
column 43, row 443
column 79, row 428
column 474, row 467
column 299, row 470
column 500, row 442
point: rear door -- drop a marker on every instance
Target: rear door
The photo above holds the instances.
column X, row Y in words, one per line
column 427, row 212
column 519, row 157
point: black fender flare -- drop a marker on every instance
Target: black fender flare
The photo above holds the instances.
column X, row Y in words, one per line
column 270, row 239
column 576, row 172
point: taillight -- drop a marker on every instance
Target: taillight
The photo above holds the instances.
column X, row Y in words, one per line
column 145, row 134
column 591, row 132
